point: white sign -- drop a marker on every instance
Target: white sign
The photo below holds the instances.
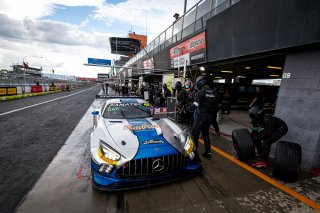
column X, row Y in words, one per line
column 182, row 59
column 129, row 73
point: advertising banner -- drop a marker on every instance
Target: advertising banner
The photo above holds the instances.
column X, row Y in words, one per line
column 36, row 89
column 3, row 91
column 8, row 91
column 193, row 51
column 102, row 75
column 52, row 88
column 183, row 59
column 198, row 56
column 12, row 90
column 99, row 61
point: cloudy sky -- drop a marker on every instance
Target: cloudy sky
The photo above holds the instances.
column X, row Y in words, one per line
column 62, row 34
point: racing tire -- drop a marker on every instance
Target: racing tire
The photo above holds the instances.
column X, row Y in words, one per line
column 287, row 161
column 243, row 144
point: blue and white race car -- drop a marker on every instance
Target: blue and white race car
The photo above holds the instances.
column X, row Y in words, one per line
column 131, row 149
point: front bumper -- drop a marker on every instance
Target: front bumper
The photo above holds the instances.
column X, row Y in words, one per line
column 110, row 182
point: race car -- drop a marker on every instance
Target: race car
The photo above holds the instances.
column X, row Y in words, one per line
column 130, row 148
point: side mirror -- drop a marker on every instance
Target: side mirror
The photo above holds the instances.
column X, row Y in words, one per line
column 94, row 113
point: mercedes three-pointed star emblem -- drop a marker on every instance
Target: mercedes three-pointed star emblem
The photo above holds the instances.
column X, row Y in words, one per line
column 158, row 165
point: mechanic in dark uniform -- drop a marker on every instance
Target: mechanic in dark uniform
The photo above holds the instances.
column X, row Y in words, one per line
column 206, row 101
column 182, row 98
column 151, row 95
column 191, row 92
column 266, row 130
column 259, row 98
column 166, row 91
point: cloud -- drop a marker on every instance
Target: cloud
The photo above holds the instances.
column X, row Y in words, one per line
column 64, row 47
column 50, row 31
column 19, row 9
column 159, row 15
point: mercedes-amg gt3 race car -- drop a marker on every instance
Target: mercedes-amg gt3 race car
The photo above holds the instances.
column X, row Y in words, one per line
column 130, row 148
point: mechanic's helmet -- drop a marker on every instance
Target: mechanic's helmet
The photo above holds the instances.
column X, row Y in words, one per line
column 178, row 85
column 201, row 81
column 188, row 85
column 256, row 113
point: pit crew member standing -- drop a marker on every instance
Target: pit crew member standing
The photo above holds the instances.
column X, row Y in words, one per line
column 182, row 98
column 191, row 92
column 266, row 130
column 206, row 101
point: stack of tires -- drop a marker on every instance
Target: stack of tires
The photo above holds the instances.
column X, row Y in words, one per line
column 287, row 159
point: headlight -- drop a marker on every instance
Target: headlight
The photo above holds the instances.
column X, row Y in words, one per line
column 188, row 146
column 108, row 154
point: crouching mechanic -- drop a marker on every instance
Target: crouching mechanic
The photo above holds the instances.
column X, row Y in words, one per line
column 266, row 130
column 206, row 102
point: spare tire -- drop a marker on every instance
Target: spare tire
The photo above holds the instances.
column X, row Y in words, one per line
column 287, row 161
column 243, row 144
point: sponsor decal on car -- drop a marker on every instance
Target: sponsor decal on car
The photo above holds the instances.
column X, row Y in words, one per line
column 141, row 127
column 153, row 142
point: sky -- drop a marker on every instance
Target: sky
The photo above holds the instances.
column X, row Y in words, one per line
column 61, row 35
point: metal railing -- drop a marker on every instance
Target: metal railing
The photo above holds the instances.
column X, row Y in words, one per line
column 192, row 21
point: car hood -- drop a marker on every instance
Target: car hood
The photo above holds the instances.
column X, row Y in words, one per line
column 141, row 138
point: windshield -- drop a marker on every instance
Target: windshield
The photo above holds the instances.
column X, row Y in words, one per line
column 128, row 111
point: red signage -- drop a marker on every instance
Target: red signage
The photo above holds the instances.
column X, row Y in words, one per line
column 86, row 79
column 193, row 44
column 36, row 89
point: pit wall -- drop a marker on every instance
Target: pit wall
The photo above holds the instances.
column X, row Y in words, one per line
column 299, row 104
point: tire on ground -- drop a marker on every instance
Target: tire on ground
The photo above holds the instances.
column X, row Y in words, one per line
column 287, row 160
column 243, row 144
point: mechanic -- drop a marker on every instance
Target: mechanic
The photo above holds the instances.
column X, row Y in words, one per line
column 206, row 101
column 191, row 92
column 259, row 99
column 266, row 130
column 166, row 92
column 151, row 95
column 182, row 98
column 159, row 101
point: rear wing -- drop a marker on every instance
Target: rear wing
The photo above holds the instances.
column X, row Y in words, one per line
column 115, row 96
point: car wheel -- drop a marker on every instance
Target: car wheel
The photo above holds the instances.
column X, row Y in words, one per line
column 243, row 144
column 287, row 161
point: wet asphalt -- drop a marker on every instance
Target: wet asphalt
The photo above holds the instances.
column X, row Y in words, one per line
column 45, row 167
column 30, row 139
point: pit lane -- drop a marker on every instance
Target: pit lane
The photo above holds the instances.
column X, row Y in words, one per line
column 32, row 136
column 65, row 186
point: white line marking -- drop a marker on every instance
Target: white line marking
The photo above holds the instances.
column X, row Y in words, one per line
column 16, row 110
